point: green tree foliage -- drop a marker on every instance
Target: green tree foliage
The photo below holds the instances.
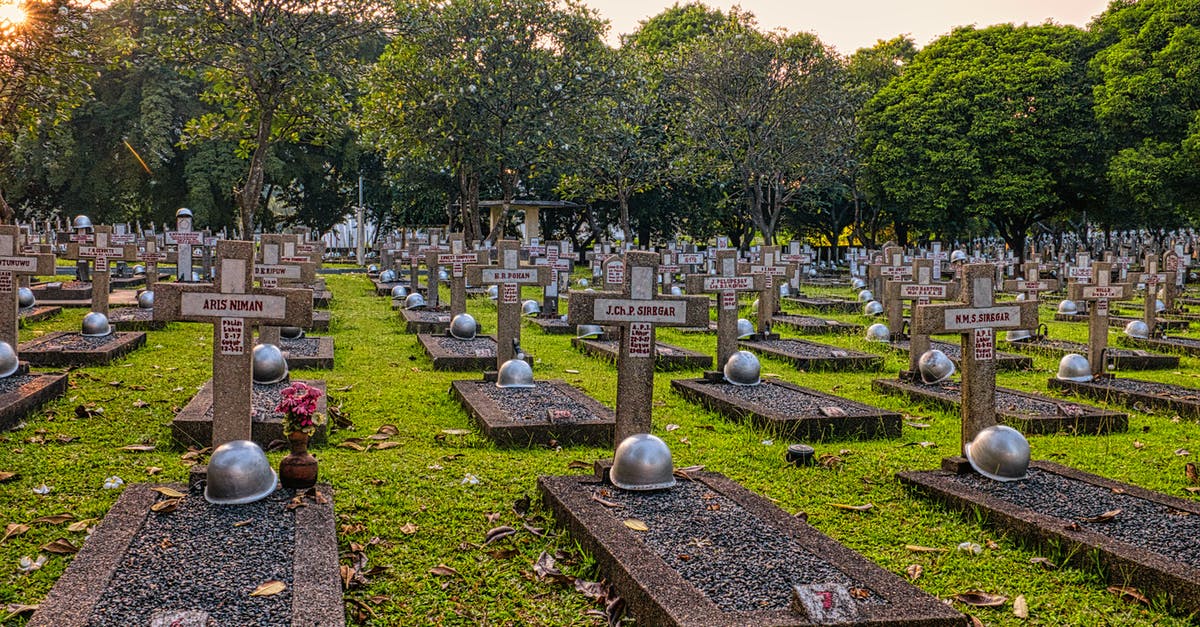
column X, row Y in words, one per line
column 994, row 123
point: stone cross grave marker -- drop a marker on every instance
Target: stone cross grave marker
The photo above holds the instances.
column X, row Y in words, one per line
column 150, row 255
column 560, row 260
column 725, row 284
column 509, row 275
column 799, row 260
column 636, row 310
column 274, row 271
column 1096, row 293
column 939, row 257
column 234, row 307
column 1032, row 285
column 667, row 270
column 79, row 237
column 768, row 299
column 1173, row 262
column 976, row 319
column 433, row 267
column 1153, row 278
column 921, row 290
column 100, row 252
column 457, row 259
column 895, row 272
column 14, row 263
column 184, row 238
column 614, row 272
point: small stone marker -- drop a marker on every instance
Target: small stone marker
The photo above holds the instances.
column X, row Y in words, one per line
column 614, row 273
column 457, row 260
column 433, row 267
column 14, row 263
column 101, row 252
column 1174, row 262
column 1153, row 278
column 726, row 284
column 233, row 309
column 509, row 275
column 1097, row 294
column 824, row 603
column 768, row 299
column 184, row 238
column 636, row 310
column 976, row 319
column 1032, row 285
column 149, row 255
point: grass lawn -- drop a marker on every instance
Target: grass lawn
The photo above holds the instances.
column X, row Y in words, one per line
column 414, row 507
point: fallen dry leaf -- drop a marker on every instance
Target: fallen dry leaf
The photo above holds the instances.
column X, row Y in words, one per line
column 386, row 445
column 409, row 529
column 12, row 530
column 854, row 508
column 1105, row 517
column 913, row 571
column 916, row 548
column 81, row 525
column 442, row 570
column 546, row 566
column 1129, row 594
column 1189, row 471
column 170, row 493
column 1137, row 444
column 1020, row 607
column 16, row 609
column 353, row 445
column 1043, row 562
column 456, row 431
column 498, row 533
column 61, row 546
column 597, row 498
column 165, row 506
column 981, row 599
column 269, row 588
column 138, row 448
column 5, row 476
column 576, row 464
column 636, row 524
column 56, row 519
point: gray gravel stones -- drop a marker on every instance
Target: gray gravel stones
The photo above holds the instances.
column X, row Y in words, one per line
column 802, row 349
column 13, row 383
column 1004, row 401
column 534, row 404
column 660, row 349
column 468, row 348
column 263, row 400
column 300, row 347
column 1165, row 390
column 130, row 314
column 69, row 342
column 790, row 401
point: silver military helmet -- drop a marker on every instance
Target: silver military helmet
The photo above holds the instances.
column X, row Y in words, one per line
column 515, row 373
column 238, row 473
column 1022, row 296
column 530, row 307
column 443, row 275
column 676, row 290
column 958, row 256
column 642, row 462
column 95, row 324
column 878, row 332
column 745, row 328
column 935, row 366
column 414, row 301
column 183, row 212
column 589, row 331
column 1137, row 329
column 857, row 283
column 583, row 283
column 387, row 276
column 372, row 269
column 1159, row 306
column 25, row 298
column 139, row 269
column 81, row 222
column 1018, row 335
column 785, row 289
column 1067, row 307
column 8, row 360
column 493, row 292
column 865, row 296
column 812, row 272
column 754, row 306
column 873, row 308
column 1074, row 367
column 145, row 299
column 742, row 368
column 463, row 326
column 269, row 366
column 999, row 452
column 291, row 333
column 399, row 291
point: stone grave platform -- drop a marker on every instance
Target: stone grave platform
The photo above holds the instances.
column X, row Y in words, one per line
column 64, row 293
column 134, row 319
column 666, row 356
column 1116, row 358
column 1169, row 344
column 133, row 282
column 1150, row 544
column 552, row 413
column 24, row 391
column 383, row 288
column 807, row 355
column 1120, row 321
column 743, row 572
column 193, row 425
column 308, row 353
column 69, row 348
column 320, row 321
column 552, row 326
column 953, row 350
column 790, row 410
column 1026, row 412
column 38, row 313
column 1128, row 392
column 427, row 321
column 198, row 564
column 834, row 305
column 816, row 326
column 711, row 328
column 449, row 353
column 322, row 298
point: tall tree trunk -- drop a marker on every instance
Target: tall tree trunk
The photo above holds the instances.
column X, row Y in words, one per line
column 623, row 199
column 6, row 211
column 250, row 195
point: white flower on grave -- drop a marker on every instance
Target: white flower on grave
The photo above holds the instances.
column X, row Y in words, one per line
column 970, row 547
column 768, row 442
column 470, row 480
column 28, row 564
column 42, row 489
column 113, row 482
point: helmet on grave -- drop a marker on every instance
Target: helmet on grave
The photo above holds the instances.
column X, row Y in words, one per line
column 139, row 269
column 857, row 283
column 414, row 301
column 935, row 366
column 530, row 307
column 443, row 275
column 145, row 299
column 81, row 222
column 1022, row 296
column 865, row 296
column 754, row 306
column 1137, row 329
column 878, row 332
column 183, row 212
column 999, row 452
column 493, row 292
column 589, row 331
column 269, row 366
column 812, row 272
column 642, row 462
column 1067, row 307
column 1017, row 335
column 1159, row 306
column 95, row 324
column 676, row 290
column 238, row 473
column 387, row 276
column 25, row 298
column 1074, row 367
column 515, row 373
column 291, row 333
column 742, row 368
column 958, row 256
column 463, row 326
column 372, row 269
column 785, row 289
column 873, row 308
column 583, row 283
column 8, row 360
column 745, row 328
column 399, row 291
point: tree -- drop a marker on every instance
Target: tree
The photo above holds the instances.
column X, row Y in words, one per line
column 995, row 124
column 275, row 71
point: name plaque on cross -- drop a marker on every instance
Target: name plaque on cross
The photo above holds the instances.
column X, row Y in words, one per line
column 992, row 317
column 221, row 305
column 721, row 283
column 620, row 310
column 19, row 264
column 913, row 290
column 503, row 275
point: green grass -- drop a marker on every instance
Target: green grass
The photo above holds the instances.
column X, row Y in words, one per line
column 383, row 377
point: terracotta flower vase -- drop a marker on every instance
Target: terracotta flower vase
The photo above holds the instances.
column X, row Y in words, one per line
column 298, row 469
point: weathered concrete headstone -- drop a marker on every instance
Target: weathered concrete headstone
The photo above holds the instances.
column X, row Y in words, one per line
column 1031, row 285
column 1153, row 278
column 150, row 255
column 15, row 263
column 725, row 284
column 101, row 252
column 509, row 274
column 920, row 291
column 184, row 238
column 457, row 259
column 768, row 300
column 1098, row 291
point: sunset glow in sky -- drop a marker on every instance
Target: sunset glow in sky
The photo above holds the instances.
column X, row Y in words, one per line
column 11, row 14
column 851, row 24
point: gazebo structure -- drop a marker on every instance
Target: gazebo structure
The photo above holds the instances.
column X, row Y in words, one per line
column 532, row 210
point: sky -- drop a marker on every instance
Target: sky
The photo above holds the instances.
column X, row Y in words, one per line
column 852, row 24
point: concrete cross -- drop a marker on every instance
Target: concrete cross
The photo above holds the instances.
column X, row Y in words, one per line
column 457, row 259
column 433, row 266
column 509, row 275
column 78, row 237
column 1032, row 285
column 636, row 310
column 921, row 290
column 894, row 273
column 1153, row 278
column 184, row 238
column 976, row 319
column 725, row 284
column 560, row 260
column 1174, row 262
column 100, row 252
column 938, row 256
column 1097, row 293
column 614, row 272
column 667, row 270
column 233, row 308
column 799, row 260
column 273, row 269
column 150, row 255
column 768, row 299
column 13, row 263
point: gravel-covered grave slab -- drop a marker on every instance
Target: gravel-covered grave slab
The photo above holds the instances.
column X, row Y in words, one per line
column 322, row 298
column 320, row 321
column 713, row 553
column 1121, row 321
column 384, row 288
column 427, row 321
column 809, row 324
column 198, row 564
column 953, row 350
column 554, row 326
column 807, row 355
column 193, row 425
column 1149, row 543
column 1170, row 344
column 666, row 356
column 308, row 352
column 552, row 413
column 134, row 319
column 450, row 353
column 1024, row 411
column 37, row 313
column 791, row 410
column 68, row 348
column 1116, row 358
column 65, row 293
column 833, row 305
column 23, row 392
column 1177, row 399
